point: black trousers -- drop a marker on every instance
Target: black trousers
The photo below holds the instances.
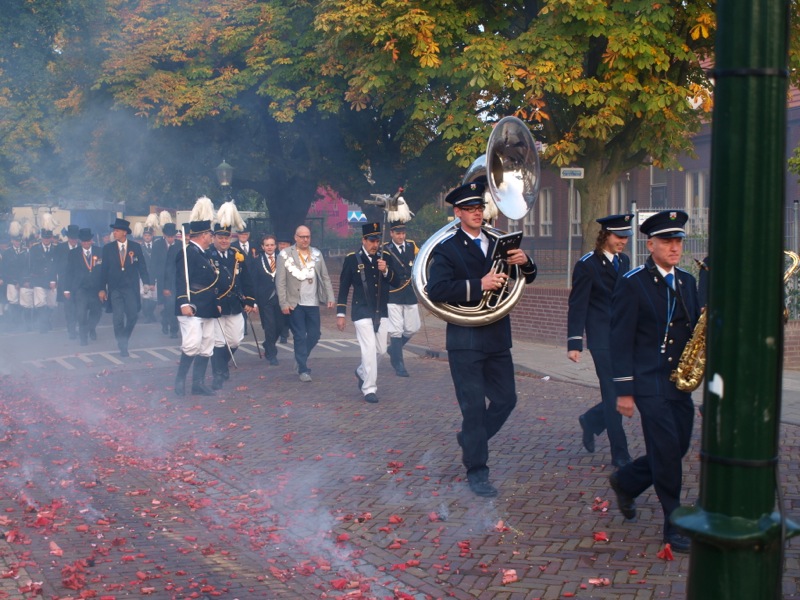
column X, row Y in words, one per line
column 667, row 427
column 125, row 312
column 478, row 377
column 271, row 318
column 88, row 311
column 604, row 416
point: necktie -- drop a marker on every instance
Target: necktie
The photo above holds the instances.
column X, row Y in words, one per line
column 148, row 246
column 87, row 254
column 272, row 262
column 615, row 262
column 478, row 243
column 402, row 248
column 670, row 279
column 122, row 250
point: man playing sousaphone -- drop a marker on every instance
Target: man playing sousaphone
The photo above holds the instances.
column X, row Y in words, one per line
column 479, row 356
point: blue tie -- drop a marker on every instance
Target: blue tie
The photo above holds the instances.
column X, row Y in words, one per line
column 670, row 279
column 478, row 243
column 615, row 262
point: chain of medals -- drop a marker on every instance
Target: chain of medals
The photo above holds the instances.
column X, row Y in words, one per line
column 304, row 261
column 267, row 270
column 88, row 264
column 671, row 300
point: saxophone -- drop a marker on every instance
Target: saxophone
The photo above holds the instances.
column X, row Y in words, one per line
column 692, row 364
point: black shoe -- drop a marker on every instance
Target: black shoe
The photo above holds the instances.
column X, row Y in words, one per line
column 201, row 389
column 360, row 381
column 371, row 398
column 216, row 383
column 483, row 488
column 588, row 436
column 625, row 502
column 92, row 334
column 678, row 543
column 180, row 387
column 400, row 371
column 621, row 462
column 283, row 340
column 124, row 353
column 273, row 361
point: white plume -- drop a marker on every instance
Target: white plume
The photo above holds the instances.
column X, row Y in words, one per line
column 228, row 216
column 48, row 221
column 138, row 229
column 15, row 229
column 28, row 230
column 402, row 214
column 203, row 210
column 490, row 211
column 152, row 222
column 164, row 217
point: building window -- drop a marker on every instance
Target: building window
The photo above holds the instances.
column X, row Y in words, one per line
column 575, row 222
column 545, row 213
column 658, row 188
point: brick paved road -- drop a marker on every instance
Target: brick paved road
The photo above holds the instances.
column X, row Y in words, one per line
column 281, row 489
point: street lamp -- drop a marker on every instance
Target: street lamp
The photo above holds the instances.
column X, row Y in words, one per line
column 224, row 176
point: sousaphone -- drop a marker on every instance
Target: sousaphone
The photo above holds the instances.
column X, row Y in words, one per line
column 511, row 169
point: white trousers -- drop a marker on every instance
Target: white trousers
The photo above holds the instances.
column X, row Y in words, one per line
column 233, row 326
column 403, row 320
column 372, row 345
column 197, row 335
column 12, row 294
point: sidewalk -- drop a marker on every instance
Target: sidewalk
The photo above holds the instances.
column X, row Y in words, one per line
column 545, row 360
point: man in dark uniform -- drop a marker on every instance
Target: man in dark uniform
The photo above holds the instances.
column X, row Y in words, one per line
column 403, row 310
column 261, row 272
column 233, row 300
column 170, row 247
column 122, row 267
column 367, row 272
column 243, row 243
column 149, row 297
column 196, row 308
column 479, row 357
column 654, row 311
column 62, row 253
column 44, row 278
column 593, row 281
column 82, row 285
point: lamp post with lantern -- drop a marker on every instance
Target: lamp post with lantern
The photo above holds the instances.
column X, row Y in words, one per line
column 225, row 177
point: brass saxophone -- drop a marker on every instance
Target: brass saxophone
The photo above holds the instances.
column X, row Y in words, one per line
column 692, row 364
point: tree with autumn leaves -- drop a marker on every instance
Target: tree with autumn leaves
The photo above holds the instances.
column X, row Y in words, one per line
column 301, row 94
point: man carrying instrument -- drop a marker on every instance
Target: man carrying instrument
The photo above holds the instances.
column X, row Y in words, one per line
column 654, row 311
column 403, row 309
column 480, row 357
column 367, row 272
column 593, row 281
column 196, row 307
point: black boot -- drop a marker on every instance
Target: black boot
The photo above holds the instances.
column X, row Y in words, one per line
column 180, row 378
column 396, row 356
column 226, row 362
column 199, row 387
column 217, row 369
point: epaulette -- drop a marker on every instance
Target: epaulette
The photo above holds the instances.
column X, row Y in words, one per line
column 351, row 254
column 448, row 237
column 587, row 256
column 633, row 271
column 682, row 270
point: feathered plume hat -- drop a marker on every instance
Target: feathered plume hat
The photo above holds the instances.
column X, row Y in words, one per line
column 167, row 226
column 227, row 219
column 15, row 230
column 201, row 216
column 138, row 229
column 48, row 224
column 151, row 224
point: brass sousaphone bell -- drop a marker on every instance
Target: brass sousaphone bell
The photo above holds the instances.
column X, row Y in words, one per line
column 513, row 180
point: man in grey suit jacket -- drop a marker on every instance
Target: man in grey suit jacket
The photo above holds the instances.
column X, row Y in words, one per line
column 303, row 284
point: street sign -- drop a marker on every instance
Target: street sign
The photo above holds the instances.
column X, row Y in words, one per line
column 356, row 216
column 572, row 173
